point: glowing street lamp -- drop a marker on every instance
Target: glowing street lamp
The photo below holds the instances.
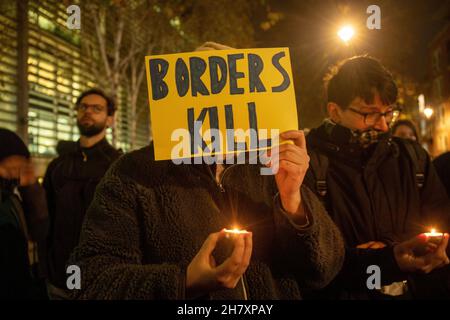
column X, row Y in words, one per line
column 346, row 33
column 428, row 112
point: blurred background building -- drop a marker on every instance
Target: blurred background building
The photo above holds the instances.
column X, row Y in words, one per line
column 439, row 91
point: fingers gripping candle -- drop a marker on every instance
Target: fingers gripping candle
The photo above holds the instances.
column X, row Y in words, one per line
column 432, row 237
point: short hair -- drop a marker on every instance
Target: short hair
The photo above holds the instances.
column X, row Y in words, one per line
column 359, row 76
column 111, row 108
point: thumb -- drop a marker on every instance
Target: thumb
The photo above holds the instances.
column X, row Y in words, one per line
column 443, row 247
column 413, row 243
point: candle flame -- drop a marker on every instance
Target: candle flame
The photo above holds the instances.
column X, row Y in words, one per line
column 433, row 233
column 236, row 231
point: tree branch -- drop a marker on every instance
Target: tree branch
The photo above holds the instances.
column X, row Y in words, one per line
column 101, row 43
column 118, row 40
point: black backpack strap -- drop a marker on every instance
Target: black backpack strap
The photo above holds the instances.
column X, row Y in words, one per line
column 17, row 207
column 418, row 158
column 319, row 166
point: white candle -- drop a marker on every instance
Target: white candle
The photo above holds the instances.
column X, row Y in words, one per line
column 433, row 236
column 235, row 231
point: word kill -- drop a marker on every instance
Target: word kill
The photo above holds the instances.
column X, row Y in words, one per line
column 193, row 140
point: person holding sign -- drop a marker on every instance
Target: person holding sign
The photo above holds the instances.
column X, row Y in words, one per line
column 156, row 229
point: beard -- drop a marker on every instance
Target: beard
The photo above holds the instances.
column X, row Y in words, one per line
column 90, row 130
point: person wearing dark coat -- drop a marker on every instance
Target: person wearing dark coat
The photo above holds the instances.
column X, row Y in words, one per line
column 70, row 183
column 378, row 189
column 155, row 229
column 149, row 220
column 442, row 165
column 23, row 218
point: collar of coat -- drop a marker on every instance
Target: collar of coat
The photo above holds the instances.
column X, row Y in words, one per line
column 337, row 141
column 99, row 147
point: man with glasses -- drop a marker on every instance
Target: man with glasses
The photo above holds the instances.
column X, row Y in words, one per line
column 378, row 189
column 70, row 182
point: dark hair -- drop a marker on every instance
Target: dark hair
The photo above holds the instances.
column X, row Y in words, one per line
column 359, row 77
column 12, row 145
column 408, row 123
column 109, row 101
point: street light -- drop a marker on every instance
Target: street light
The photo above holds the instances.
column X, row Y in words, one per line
column 346, row 33
column 428, row 112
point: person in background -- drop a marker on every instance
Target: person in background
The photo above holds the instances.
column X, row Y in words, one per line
column 71, row 179
column 442, row 165
column 405, row 129
column 23, row 218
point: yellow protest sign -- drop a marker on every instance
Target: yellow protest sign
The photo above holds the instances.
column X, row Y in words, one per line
column 210, row 102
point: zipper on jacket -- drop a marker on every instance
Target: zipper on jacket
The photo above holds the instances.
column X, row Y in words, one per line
column 222, row 190
column 220, row 182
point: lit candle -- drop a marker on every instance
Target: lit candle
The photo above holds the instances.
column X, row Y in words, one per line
column 235, row 231
column 429, row 237
column 230, row 233
column 434, row 237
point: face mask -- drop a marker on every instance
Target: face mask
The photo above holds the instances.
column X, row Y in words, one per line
column 363, row 138
column 368, row 137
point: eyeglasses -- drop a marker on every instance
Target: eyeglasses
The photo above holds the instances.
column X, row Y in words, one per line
column 372, row 118
column 83, row 107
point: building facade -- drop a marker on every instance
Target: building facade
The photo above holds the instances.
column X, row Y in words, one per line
column 439, row 90
column 42, row 72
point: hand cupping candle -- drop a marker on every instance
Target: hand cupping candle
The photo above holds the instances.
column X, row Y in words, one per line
column 433, row 237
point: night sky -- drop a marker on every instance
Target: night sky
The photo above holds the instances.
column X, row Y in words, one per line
column 309, row 29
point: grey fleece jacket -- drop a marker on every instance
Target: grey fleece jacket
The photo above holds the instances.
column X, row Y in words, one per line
column 149, row 219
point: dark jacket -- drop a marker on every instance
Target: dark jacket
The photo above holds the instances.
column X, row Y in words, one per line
column 372, row 195
column 70, row 183
column 20, row 222
column 442, row 165
column 22, row 219
column 149, row 219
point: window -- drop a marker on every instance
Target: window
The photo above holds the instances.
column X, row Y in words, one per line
column 56, row 78
column 57, row 74
column 8, row 69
